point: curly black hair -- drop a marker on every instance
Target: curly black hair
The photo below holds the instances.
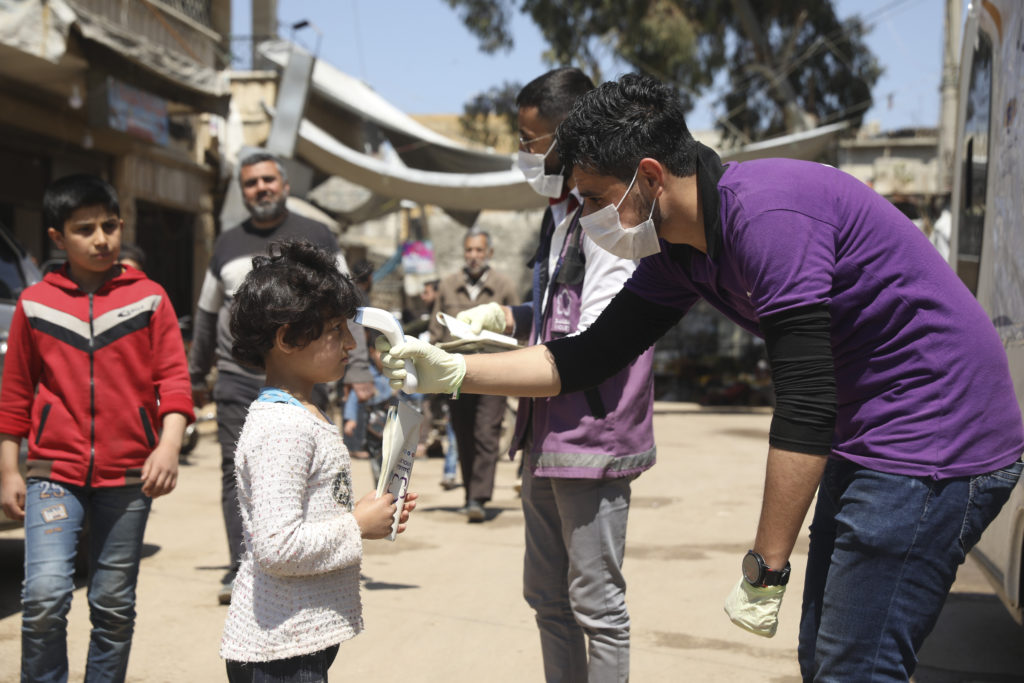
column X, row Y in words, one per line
column 611, row 128
column 296, row 284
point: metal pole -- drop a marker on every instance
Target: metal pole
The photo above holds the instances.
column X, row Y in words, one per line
column 948, row 90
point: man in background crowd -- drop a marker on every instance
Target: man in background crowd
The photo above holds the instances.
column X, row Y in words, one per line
column 265, row 190
column 476, row 420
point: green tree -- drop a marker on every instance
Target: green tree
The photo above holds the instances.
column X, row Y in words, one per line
column 479, row 114
column 786, row 64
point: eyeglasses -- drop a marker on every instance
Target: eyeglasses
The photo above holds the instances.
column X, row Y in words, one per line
column 525, row 144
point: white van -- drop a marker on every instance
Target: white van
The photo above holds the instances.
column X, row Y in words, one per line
column 987, row 240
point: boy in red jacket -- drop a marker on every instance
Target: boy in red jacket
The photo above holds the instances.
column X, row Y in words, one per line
column 96, row 378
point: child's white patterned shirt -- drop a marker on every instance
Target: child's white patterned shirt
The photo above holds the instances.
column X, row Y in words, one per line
column 297, row 590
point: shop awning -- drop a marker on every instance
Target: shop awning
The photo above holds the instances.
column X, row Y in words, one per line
column 46, row 28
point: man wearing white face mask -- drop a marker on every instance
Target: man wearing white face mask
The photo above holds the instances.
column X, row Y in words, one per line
column 894, row 401
column 581, row 451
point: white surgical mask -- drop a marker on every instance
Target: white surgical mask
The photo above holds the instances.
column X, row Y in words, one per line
column 605, row 229
column 532, row 166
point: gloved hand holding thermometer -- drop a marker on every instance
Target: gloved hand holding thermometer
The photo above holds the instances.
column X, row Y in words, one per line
column 437, row 371
column 388, row 325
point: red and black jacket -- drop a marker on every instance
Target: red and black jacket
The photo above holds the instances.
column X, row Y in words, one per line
column 88, row 378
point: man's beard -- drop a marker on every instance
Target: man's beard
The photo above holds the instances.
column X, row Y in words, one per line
column 476, row 268
column 645, row 208
column 266, row 211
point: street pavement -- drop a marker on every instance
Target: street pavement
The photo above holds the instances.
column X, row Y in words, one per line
column 443, row 603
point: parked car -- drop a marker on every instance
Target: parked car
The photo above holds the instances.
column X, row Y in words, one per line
column 17, row 271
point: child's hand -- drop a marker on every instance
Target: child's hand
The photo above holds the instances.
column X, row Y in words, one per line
column 407, row 508
column 160, row 473
column 349, row 427
column 375, row 515
column 12, row 494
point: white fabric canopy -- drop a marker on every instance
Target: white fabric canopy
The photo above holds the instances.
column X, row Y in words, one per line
column 503, row 190
column 437, row 170
column 808, row 145
column 417, row 145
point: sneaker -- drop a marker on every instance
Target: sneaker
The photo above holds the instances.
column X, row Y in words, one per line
column 449, row 483
column 475, row 511
column 224, row 594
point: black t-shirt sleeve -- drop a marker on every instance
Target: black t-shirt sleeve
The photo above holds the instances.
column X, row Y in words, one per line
column 627, row 327
column 803, row 373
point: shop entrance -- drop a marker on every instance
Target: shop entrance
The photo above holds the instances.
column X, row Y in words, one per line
column 167, row 237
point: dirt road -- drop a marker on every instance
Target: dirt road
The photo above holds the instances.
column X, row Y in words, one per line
column 444, row 603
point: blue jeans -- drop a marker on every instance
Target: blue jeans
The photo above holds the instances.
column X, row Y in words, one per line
column 451, row 457
column 883, row 555
column 311, row 668
column 54, row 516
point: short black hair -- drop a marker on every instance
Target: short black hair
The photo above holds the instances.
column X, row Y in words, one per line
column 554, row 93
column 259, row 158
column 296, row 284
column 66, row 195
column 614, row 126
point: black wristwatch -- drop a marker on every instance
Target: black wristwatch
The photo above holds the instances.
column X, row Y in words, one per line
column 759, row 574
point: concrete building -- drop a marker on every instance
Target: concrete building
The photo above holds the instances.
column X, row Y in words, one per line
column 131, row 91
column 902, row 166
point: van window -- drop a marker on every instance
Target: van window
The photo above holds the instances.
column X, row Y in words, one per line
column 975, row 171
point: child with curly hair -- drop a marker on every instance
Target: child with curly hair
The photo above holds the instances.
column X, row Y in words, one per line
column 296, row 596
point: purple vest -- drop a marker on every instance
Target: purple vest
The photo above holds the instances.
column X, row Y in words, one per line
column 601, row 433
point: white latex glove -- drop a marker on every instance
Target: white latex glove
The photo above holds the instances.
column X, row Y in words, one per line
column 489, row 317
column 439, row 372
column 753, row 608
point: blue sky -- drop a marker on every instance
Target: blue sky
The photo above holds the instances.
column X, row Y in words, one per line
column 419, row 56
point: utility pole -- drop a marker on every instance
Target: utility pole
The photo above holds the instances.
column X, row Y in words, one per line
column 948, row 100
column 264, row 27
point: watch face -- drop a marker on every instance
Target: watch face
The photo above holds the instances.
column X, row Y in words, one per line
column 752, row 568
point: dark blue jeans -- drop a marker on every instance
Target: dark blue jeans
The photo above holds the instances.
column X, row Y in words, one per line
column 311, row 668
column 230, row 418
column 884, row 552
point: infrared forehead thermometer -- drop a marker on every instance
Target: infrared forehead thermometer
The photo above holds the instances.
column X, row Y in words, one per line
column 388, row 325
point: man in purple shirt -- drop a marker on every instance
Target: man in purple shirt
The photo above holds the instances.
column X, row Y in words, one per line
column 893, row 395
